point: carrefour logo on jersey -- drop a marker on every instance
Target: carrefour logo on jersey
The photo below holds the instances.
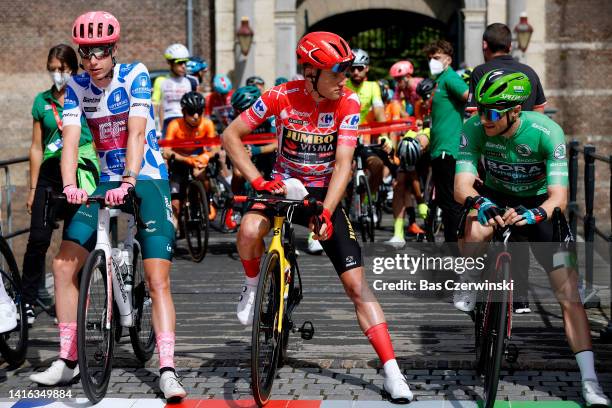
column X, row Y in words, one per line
column 70, row 99
column 260, row 108
column 326, row 120
column 82, row 79
column 118, row 101
column 124, row 70
column 152, row 140
column 350, row 122
column 141, row 86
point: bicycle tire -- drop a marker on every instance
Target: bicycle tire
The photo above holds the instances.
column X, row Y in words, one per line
column 367, row 217
column 292, row 302
column 13, row 344
column 142, row 334
column 95, row 378
column 195, row 220
column 493, row 339
column 264, row 357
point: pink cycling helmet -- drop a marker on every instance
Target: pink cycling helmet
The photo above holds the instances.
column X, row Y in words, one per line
column 401, row 68
column 95, row 27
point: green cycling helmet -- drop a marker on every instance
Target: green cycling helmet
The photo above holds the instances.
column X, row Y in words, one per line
column 502, row 88
column 244, row 97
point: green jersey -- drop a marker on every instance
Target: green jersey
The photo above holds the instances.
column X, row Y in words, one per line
column 523, row 165
column 368, row 93
column 447, row 113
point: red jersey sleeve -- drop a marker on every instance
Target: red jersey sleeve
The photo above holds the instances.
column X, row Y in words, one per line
column 260, row 111
column 348, row 115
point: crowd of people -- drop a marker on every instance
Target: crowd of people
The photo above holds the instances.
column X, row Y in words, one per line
column 97, row 132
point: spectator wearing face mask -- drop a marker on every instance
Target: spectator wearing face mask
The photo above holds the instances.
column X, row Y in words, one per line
column 45, row 153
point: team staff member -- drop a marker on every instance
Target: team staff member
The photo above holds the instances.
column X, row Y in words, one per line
column 447, row 107
column 496, row 47
column 318, row 106
column 116, row 102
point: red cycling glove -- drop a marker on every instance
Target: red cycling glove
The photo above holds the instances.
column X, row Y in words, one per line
column 325, row 218
column 259, row 184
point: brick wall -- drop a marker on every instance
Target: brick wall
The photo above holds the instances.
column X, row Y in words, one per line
column 578, row 72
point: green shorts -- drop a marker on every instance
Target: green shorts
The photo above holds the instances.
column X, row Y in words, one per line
column 156, row 240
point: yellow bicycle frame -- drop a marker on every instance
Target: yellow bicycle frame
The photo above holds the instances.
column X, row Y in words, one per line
column 276, row 245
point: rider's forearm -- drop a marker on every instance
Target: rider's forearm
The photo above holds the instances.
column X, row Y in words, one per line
column 337, row 185
column 557, row 197
column 169, row 153
column 238, row 154
column 464, row 187
column 70, row 154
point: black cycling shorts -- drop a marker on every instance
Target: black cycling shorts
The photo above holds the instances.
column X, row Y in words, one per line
column 178, row 177
column 540, row 236
column 342, row 248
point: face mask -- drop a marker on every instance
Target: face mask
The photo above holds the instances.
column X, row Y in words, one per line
column 435, row 67
column 60, row 79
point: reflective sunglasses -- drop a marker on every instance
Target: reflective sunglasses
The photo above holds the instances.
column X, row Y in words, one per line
column 180, row 61
column 342, row 66
column 98, row 51
column 492, row 115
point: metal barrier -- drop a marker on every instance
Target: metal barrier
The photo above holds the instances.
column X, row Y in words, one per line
column 8, row 189
column 590, row 228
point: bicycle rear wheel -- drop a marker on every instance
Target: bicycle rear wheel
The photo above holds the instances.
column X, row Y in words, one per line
column 491, row 332
column 142, row 334
column 14, row 343
column 95, row 340
column 266, row 341
column 195, row 220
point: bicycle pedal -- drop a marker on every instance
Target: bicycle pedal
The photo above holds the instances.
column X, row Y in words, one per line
column 512, row 353
column 307, row 330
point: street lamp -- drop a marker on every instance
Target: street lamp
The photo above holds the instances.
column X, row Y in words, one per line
column 245, row 36
column 523, row 32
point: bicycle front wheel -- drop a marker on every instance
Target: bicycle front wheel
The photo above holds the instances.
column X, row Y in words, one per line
column 95, row 339
column 195, row 220
column 14, row 343
column 142, row 334
column 266, row 341
column 491, row 339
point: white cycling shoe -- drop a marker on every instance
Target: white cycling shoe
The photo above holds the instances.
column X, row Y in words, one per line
column 396, row 242
column 464, row 300
column 172, row 388
column 58, row 373
column 397, row 390
column 244, row 311
column 314, row 246
column 8, row 316
column 593, row 394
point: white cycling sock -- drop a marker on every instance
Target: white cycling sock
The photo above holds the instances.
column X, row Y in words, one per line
column 586, row 363
column 4, row 297
column 391, row 369
column 251, row 281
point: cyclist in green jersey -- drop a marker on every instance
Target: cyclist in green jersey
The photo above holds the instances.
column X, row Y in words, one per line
column 525, row 157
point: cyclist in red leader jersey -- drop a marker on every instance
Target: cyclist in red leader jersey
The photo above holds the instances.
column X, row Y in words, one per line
column 316, row 122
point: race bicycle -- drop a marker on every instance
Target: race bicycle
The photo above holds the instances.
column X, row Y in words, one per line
column 279, row 292
column 113, row 293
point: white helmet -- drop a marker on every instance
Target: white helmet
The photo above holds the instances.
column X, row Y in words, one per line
column 177, row 52
column 361, row 57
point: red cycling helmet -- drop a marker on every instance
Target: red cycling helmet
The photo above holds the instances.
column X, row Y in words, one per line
column 401, row 69
column 95, row 27
column 324, row 50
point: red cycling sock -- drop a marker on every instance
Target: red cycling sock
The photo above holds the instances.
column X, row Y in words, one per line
column 378, row 335
column 251, row 266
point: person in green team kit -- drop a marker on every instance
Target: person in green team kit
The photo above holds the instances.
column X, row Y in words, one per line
column 525, row 157
column 447, row 107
